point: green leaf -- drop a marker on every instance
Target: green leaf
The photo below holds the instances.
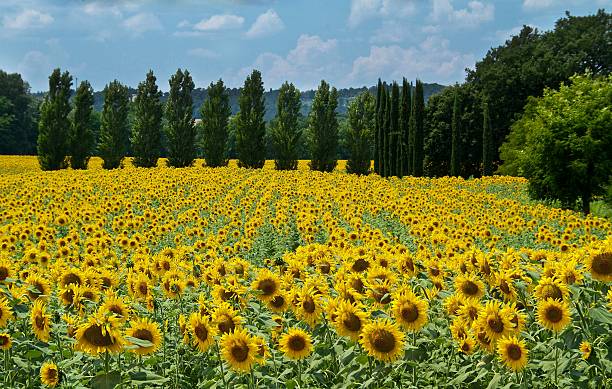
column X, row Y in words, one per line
column 494, row 381
column 601, row 315
column 106, row 381
column 139, row 342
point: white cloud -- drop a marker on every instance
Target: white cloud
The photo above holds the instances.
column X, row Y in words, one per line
column 476, row 12
column 220, row 22
column 362, row 10
column 537, row 4
column 202, row 53
column 142, row 22
column 97, row 8
column 432, row 58
column 267, row 23
column 183, row 24
column 29, row 18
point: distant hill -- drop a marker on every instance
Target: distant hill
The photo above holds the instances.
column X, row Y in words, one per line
column 345, row 97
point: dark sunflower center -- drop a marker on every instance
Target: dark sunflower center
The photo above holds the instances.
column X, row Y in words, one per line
column 229, row 295
column 360, row 265
column 72, row 278
column 357, row 284
column 143, row 288
column 465, row 347
column 382, row 296
column 602, row 264
column 3, row 340
column 554, row 314
column 143, row 334
column 51, row 374
column 40, row 322
column 240, row 351
column 226, row 324
column 201, row 332
column 278, row 301
column 496, row 325
column 116, row 309
column 503, row 285
column 297, row 343
column 352, row 322
column 410, row 312
column 434, row 271
column 93, row 335
column 3, row 273
column 552, row 291
column 383, row 341
column 325, row 267
column 267, row 286
column 309, row 305
column 469, row 288
column 514, row 352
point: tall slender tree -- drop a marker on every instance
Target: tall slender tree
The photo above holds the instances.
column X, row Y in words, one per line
column 215, row 113
column 362, row 122
column 286, row 132
column 394, row 132
column 382, row 132
column 251, row 127
column 377, row 128
column 405, row 107
column 387, row 129
column 487, row 141
column 147, row 128
column 114, row 130
column 180, row 129
column 54, row 125
column 82, row 137
column 323, row 129
column 419, row 136
column 455, row 163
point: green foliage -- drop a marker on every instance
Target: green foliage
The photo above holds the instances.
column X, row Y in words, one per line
column 380, row 118
column 394, row 149
column 323, row 129
column 285, row 131
column 455, row 168
column 487, row 141
column 250, row 125
column 377, row 129
column 404, row 125
column 147, row 125
column 563, row 142
column 17, row 116
column 387, row 135
column 215, row 115
column 54, row 125
column 417, row 121
column 82, row 137
column 180, row 129
column 114, row 131
column 360, row 132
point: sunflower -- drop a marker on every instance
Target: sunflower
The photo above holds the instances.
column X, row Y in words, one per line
column 512, row 352
column 6, row 312
column 37, row 287
column 469, row 310
column 202, row 332
column 409, row 310
column 309, row 306
column 40, row 321
column 239, row 349
column 226, row 318
column 553, row 314
column 549, row 287
column 383, row 340
column 6, row 270
column 349, row 320
column 99, row 334
column 469, row 286
column 586, row 349
column 144, row 330
column 50, row 375
column 295, row 343
column 467, row 345
column 115, row 305
column 517, row 318
column 69, row 294
column 505, row 284
column 262, row 350
column 493, row 322
column 267, row 284
column 278, row 303
column 600, row 266
column 5, row 341
column 71, row 276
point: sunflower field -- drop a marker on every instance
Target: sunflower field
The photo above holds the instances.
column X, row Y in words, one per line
column 235, row 278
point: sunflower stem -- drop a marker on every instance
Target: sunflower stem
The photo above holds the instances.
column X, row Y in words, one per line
column 221, row 365
column 556, row 358
column 106, row 362
column 414, row 380
column 299, row 375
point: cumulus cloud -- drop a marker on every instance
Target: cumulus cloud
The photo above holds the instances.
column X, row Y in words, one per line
column 27, row 19
column 220, row 22
column 362, row 10
column 476, row 13
column 142, row 22
column 537, row 4
column 267, row 23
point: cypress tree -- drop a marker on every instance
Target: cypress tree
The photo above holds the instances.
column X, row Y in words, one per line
column 323, row 129
column 405, row 106
column 114, row 130
column 394, row 133
column 286, row 132
column 250, row 126
column 215, row 113
column 411, row 131
column 455, row 137
column 419, row 136
column 146, row 132
column 361, row 120
column 487, row 141
column 53, row 141
column 82, row 139
column 377, row 128
column 381, row 130
column 387, row 129
column 180, row 129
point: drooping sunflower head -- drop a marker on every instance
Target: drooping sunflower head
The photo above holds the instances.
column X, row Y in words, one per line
column 469, row 310
column 115, row 305
column 5, row 341
column 202, row 333
column 239, row 350
column 512, row 353
column 467, row 345
column 40, row 321
column 50, row 375
column 37, row 287
column 600, row 266
column 146, row 336
column 383, row 340
column 409, row 310
column 295, row 343
column 586, row 349
column 349, row 319
column 99, row 334
column 469, row 286
column 6, row 313
column 553, row 314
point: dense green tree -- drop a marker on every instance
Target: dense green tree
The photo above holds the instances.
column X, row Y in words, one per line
column 285, row 131
column 487, row 141
column 563, row 142
column 404, row 124
column 147, row 124
column 323, row 129
column 215, row 113
column 180, row 126
column 18, row 125
column 251, row 127
column 377, row 129
column 380, row 117
column 360, row 133
column 387, row 133
column 114, row 130
column 417, row 117
column 394, row 132
column 54, row 125
column 82, row 137
column 455, row 163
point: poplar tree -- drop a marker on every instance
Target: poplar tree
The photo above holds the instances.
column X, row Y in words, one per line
column 455, row 137
column 382, row 132
column 487, row 141
column 146, row 132
column 286, row 132
column 53, row 141
column 215, row 113
column 114, row 129
column 82, row 138
column 387, row 127
column 250, row 126
column 180, row 129
column 405, row 107
column 362, row 122
column 394, row 133
column 418, row 114
column 323, row 129
column 377, row 129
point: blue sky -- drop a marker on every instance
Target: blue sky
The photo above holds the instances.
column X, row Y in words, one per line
column 347, row 42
